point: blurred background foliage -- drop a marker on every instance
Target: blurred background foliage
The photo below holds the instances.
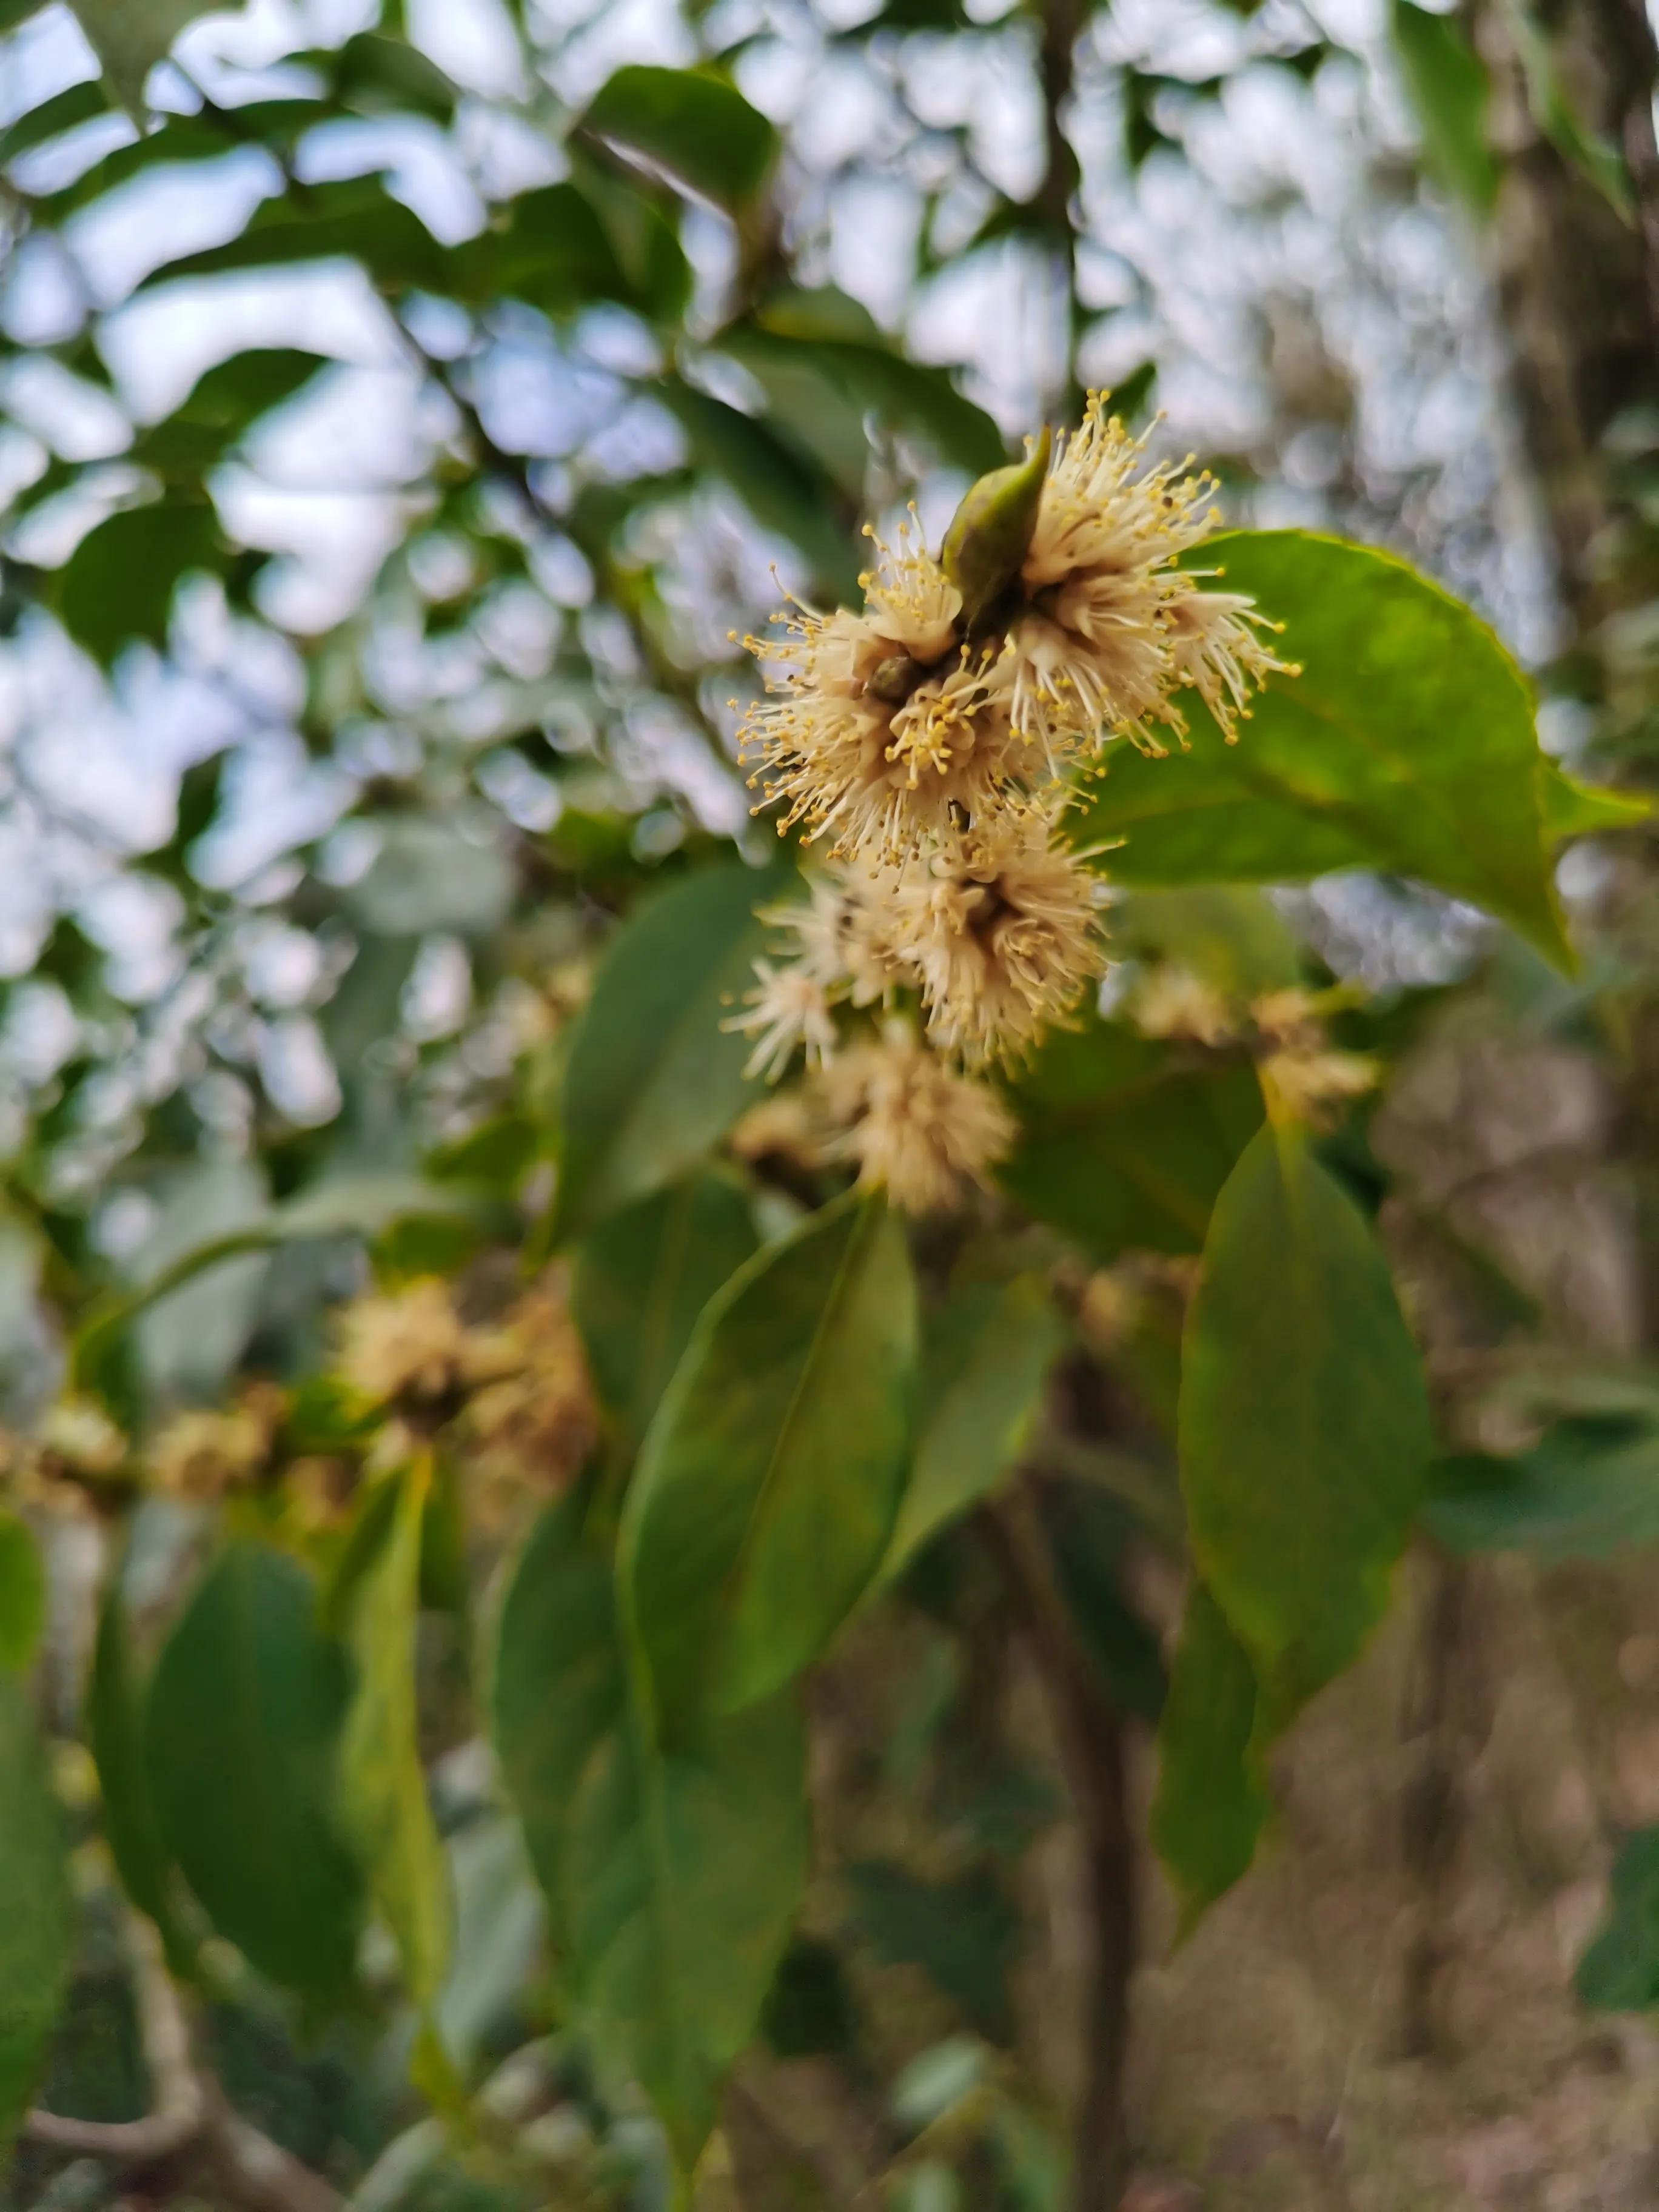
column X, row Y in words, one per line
column 401, row 411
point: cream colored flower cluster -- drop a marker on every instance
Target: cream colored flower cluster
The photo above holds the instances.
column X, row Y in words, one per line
column 927, row 740
column 1284, row 1031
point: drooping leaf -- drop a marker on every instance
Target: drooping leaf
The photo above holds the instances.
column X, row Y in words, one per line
column 1211, row 1803
column 986, row 1356
column 768, row 1482
column 1450, row 94
column 653, row 1081
column 240, row 1741
column 698, row 126
column 671, row 1881
column 118, row 584
column 382, row 1782
column 643, row 1278
column 35, row 1924
column 22, row 1593
column 1407, row 744
column 1304, row 1427
column 1123, row 1145
column 1619, row 1971
column 1588, row 1489
column 115, row 1713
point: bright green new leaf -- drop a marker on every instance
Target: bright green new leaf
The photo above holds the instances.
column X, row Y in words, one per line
column 986, row 1356
column 1619, row 1971
column 696, row 124
column 1572, row 809
column 35, row 1906
column 22, row 1593
column 1123, row 1144
column 1211, row 1803
column 1303, row 1429
column 654, row 1080
column 382, row 1782
column 768, row 1485
column 115, row 1714
column 240, row 1740
column 671, row 1881
column 1450, row 94
column 1588, row 1489
column 643, row 1278
column 1407, row 744
column 118, row 584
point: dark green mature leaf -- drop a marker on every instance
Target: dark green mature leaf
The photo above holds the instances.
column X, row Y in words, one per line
column 1619, row 1971
column 671, row 1879
column 1450, row 93
column 240, row 1741
column 115, row 1710
column 62, row 111
column 356, row 219
column 1121, row 1145
column 776, row 482
column 555, row 254
column 1304, row 1427
column 986, row 1356
column 13, row 12
column 34, row 1905
column 654, row 1080
column 902, row 394
column 379, row 75
column 221, row 407
column 694, row 123
column 1588, row 1490
column 22, row 1593
column 1211, row 1803
column 766, row 1487
column 382, row 1782
column 641, row 1280
column 1407, row 744
column 118, row 584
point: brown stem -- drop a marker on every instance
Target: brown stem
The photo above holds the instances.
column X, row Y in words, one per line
column 1090, row 1736
column 1062, row 22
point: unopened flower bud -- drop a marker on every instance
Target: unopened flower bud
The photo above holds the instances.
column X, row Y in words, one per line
column 990, row 531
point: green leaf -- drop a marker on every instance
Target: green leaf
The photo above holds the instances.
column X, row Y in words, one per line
column 64, row 111
column 1211, row 1803
column 1450, row 93
column 671, row 1881
column 240, row 1741
column 554, row 253
column 776, row 482
column 22, row 1593
column 1228, row 934
column 356, row 219
column 1588, row 1490
column 1088, row 1531
column 1572, row 809
column 904, row 395
column 1407, row 744
column 1619, row 1971
column 641, row 1280
column 766, row 1487
column 118, row 584
column 1121, row 1144
column 986, row 1356
column 115, row 1717
column 131, row 36
column 382, row 1782
column 1305, row 1425
column 693, row 123
column 653, row 1081
column 35, row 1924
column 221, row 407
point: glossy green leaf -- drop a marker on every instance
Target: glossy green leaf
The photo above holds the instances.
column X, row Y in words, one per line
column 696, row 124
column 1304, row 1428
column 985, row 1359
column 653, row 1081
column 1588, row 1489
column 1619, row 1971
column 1450, row 94
column 240, row 1741
column 115, row 1715
column 1123, row 1144
column 382, row 1782
column 22, row 1593
column 671, row 1881
column 768, row 1485
column 643, row 1278
column 1407, row 744
column 118, row 584
column 776, row 481
column 1211, row 1802
column 35, row 1906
